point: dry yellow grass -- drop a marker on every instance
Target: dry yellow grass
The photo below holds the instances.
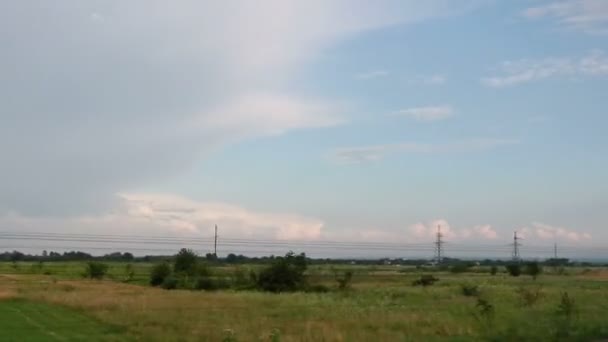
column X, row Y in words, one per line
column 158, row 315
column 377, row 309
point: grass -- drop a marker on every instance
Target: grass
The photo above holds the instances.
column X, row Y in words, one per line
column 381, row 305
column 22, row 320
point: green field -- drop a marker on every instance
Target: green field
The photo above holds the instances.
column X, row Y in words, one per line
column 22, row 320
column 56, row 303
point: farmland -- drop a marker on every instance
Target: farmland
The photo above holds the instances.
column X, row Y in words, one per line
column 52, row 301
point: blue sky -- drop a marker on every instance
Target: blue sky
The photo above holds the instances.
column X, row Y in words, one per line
column 321, row 120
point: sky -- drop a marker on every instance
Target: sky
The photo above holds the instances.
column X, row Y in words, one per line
column 320, row 120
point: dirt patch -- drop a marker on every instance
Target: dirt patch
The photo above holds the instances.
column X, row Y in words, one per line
column 595, row 275
column 7, row 294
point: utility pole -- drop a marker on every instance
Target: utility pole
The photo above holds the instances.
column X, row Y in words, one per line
column 215, row 243
column 516, row 245
column 439, row 246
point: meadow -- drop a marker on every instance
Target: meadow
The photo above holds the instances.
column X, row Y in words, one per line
column 52, row 301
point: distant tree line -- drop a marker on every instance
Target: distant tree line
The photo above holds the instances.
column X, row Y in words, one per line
column 447, row 263
column 65, row 256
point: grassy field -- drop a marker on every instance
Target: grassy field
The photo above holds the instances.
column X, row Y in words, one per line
column 381, row 305
column 22, row 320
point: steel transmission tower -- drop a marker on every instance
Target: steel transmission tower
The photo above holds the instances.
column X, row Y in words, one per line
column 439, row 246
column 516, row 246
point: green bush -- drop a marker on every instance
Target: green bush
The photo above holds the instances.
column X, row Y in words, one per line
column 242, row 280
column 460, row 268
column 514, row 270
column 170, row 283
column 494, row 270
column 485, row 313
column 129, row 273
column 159, row 274
column 533, row 269
column 529, row 296
column 317, row 288
column 285, row 274
column 344, row 280
column 470, row 290
column 425, row 280
column 205, row 283
column 566, row 315
column 95, row 270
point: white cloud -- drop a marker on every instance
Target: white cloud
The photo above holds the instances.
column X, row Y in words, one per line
column 172, row 215
column 485, row 232
column 368, row 75
column 105, row 98
column 435, row 80
column 590, row 16
column 364, row 154
column 428, row 231
column 545, row 231
column 526, row 70
column 262, row 114
column 179, row 213
column 430, row 113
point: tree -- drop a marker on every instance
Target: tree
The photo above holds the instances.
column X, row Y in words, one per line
column 514, row 270
column 285, row 274
column 96, row 270
column 231, row 258
column 186, row 262
column 533, row 269
column 159, row 274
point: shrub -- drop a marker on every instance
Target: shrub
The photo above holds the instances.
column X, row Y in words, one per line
column 129, row 273
column 275, row 335
column 459, row 268
column 159, row 273
column 470, row 290
column 566, row 312
column 485, row 312
column 514, row 270
column 95, row 270
column 284, row 274
column 567, row 306
column 533, row 269
column 205, row 283
column 170, row 283
column 186, row 262
column 344, row 280
column 530, row 296
column 241, row 280
column 494, row 270
column 425, row 280
column 317, row 288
